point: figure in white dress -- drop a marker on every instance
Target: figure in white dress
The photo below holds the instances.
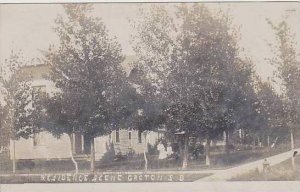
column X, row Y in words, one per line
column 162, row 151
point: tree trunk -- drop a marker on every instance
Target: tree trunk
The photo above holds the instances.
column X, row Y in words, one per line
column 258, row 142
column 227, row 151
column 185, row 152
column 207, row 153
column 92, row 155
column 145, row 155
column 14, row 156
column 240, row 135
column 274, row 142
column 292, row 149
column 181, row 150
column 71, row 153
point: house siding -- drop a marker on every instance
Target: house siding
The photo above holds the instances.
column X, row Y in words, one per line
column 126, row 145
column 102, row 146
column 49, row 147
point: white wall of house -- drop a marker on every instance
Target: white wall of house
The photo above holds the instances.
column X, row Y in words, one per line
column 124, row 145
column 101, row 146
column 50, row 86
column 45, row 146
column 135, row 144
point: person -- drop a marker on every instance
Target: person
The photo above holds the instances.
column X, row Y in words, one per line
column 295, row 153
column 169, row 150
column 199, row 150
column 266, row 166
column 162, row 154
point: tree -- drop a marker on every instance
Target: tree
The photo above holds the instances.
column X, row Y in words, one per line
column 271, row 108
column 192, row 65
column 4, row 131
column 88, row 74
column 145, row 106
column 16, row 119
column 288, row 71
column 152, row 44
column 238, row 99
column 207, row 78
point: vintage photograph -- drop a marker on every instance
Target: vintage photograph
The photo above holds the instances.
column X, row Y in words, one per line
column 149, row 92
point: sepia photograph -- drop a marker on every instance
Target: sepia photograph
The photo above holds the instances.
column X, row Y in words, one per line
column 157, row 92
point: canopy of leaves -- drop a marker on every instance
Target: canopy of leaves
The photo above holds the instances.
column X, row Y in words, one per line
column 194, row 66
column 288, row 70
column 17, row 117
column 87, row 71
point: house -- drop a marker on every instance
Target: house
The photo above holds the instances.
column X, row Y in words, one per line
column 44, row 145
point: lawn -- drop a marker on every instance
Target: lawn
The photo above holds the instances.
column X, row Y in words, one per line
column 280, row 172
column 219, row 160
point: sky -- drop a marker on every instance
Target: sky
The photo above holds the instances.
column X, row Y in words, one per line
column 29, row 27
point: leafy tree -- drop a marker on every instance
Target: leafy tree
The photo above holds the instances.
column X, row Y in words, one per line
column 4, row 132
column 200, row 66
column 238, row 98
column 193, row 65
column 148, row 106
column 271, row 110
column 17, row 118
column 288, row 72
column 152, row 44
column 88, row 74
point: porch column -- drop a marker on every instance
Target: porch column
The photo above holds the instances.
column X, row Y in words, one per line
column 82, row 143
column 73, row 147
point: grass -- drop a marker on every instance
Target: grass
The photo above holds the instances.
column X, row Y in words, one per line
column 219, row 160
column 280, row 172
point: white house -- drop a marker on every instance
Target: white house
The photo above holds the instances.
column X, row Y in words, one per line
column 45, row 146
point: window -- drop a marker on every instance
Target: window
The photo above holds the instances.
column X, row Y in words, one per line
column 45, row 76
column 129, row 135
column 117, row 136
column 140, row 136
column 36, row 139
column 38, row 92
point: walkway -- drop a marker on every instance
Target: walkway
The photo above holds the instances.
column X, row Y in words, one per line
column 227, row 174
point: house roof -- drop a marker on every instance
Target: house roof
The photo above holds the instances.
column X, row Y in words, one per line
column 38, row 70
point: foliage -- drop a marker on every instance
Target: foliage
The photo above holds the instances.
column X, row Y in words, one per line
column 193, row 68
column 288, row 71
column 87, row 72
column 271, row 108
column 17, row 119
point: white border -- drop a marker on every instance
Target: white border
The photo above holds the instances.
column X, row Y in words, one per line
column 247, row 186
column 136, row 1
column 274, row 186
